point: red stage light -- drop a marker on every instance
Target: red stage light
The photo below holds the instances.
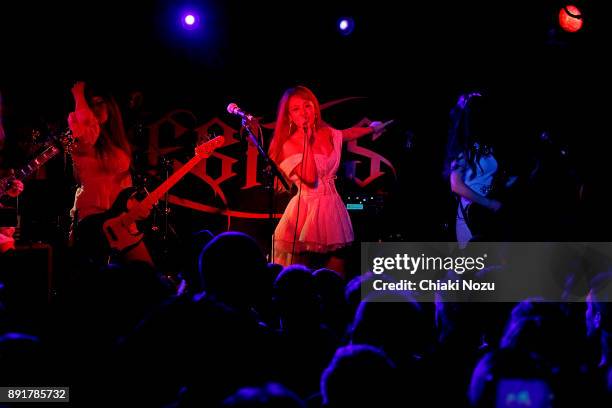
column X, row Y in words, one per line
column 570, row 19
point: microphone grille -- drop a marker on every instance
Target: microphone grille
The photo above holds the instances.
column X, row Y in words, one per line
column 232, row 107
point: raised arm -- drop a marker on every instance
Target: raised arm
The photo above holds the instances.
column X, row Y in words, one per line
column 82, row 121
column 78, row 92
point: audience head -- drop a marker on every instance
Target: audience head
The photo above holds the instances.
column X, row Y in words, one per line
column 296, row 298
column 359, row 287
column 537, row 326
column 330, row 287
column 233, row 269
column 198, row 241
column 501, row 371
column 272, row 395
column 599, row 312
column 22, row 358
column 400, row 326
column 359, row 375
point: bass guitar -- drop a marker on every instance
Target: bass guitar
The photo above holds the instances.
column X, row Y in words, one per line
column 116, row 231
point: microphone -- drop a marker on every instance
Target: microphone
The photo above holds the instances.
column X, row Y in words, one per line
column 308, row 133
column 235, row 110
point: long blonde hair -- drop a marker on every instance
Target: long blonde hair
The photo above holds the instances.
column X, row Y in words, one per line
column 284, row 128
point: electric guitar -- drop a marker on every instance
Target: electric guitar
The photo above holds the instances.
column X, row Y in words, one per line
column 513, row 192
column 483, row 222
column 51, row 150
column 115, row 231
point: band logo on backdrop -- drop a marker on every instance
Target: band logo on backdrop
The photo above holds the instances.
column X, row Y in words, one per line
column 233, row 172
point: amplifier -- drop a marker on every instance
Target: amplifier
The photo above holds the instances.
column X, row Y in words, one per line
column 8, row 216
column 26, row 273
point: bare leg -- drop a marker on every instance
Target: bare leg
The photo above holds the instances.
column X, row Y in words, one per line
column 281, row 257
column 336, row 264
column 285, row 258
column 302, row 259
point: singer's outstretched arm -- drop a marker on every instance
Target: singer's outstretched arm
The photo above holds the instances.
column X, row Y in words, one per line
column 357, row 132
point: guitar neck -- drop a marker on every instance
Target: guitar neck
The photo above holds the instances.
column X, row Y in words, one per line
column 202, row 151
column 158, row 193
column 31, row 167
column 37, row 163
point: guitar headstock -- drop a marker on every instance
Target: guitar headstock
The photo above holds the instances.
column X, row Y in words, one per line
column 206, row 149
column 66, row 139
column 36, row 133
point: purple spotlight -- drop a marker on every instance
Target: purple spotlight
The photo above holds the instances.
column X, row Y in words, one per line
column 190, row 20
column 346, row 25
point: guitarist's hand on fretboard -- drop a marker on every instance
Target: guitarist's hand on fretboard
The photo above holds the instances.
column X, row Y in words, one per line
column 16, row 187
column 139, row 211
column 119, row 228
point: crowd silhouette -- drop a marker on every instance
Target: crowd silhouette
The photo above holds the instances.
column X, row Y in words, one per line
column 245, row 333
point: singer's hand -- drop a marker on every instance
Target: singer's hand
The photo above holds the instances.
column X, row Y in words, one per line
column 378, row 128
column 312, row 138
column 309, row 134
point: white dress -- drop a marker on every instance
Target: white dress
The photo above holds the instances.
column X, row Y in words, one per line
column 323, row 223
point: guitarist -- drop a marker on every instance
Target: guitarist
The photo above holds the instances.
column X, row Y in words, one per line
column 471, row 163
column 102, row 158
column 6, row 233
column 7, row 241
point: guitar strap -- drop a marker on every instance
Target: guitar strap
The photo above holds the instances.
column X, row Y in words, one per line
column 461, row 207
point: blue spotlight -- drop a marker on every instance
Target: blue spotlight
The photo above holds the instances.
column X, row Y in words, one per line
column 346, row 25
column 190, row 20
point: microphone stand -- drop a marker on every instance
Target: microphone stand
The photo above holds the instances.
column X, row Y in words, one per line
column 166, row 229
column 271, row 171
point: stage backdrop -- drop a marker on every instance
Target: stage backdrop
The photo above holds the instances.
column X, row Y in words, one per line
column 228, row 191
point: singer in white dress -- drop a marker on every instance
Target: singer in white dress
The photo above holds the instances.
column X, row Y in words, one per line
column 307, row 150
